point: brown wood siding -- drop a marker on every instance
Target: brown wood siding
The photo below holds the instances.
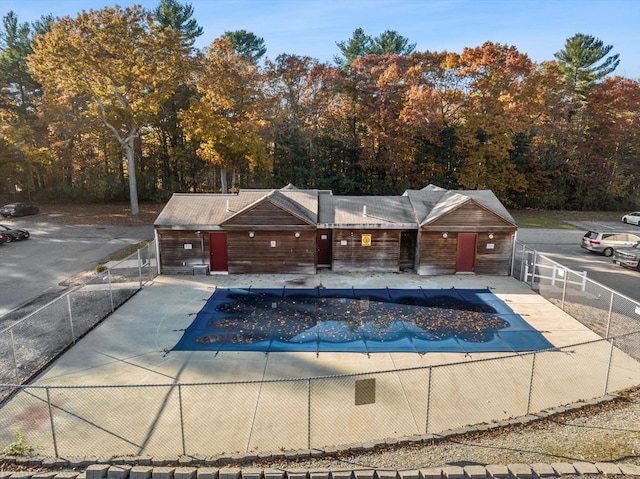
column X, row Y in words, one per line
column 470, row 217
column 265, row 214
column 437, row 254
column 382, row 256
column 257, row 255
column 496, row 260
column 174, row 258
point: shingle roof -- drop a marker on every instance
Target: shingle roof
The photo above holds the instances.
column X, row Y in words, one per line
column 433, row 202
column 352, row 211
column 414, row 208
column 202, row 210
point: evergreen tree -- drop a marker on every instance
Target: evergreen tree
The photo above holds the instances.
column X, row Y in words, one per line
column 246, row 44
column 172, row 14
column 579, row 61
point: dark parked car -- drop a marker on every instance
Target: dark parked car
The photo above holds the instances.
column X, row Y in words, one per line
column 629, row 257
column 3, row 238
column 14, row 234
column 19, row 209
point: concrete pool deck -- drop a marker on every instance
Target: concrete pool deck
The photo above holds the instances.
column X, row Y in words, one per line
column 132, row 347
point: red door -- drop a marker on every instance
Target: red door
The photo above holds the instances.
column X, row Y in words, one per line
column 466, row 253
column 323, row 244
column 218, row 251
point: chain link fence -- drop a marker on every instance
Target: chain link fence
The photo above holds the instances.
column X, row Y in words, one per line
column 30, row 343
column 601, row 309
column 205, row 419
column 199, row 420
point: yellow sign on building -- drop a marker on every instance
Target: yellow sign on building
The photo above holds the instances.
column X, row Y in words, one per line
column 366, row 240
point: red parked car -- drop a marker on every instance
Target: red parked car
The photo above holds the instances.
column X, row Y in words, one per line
column 3, row 238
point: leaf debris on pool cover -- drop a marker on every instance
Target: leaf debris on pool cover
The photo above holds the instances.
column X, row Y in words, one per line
column 239, row 319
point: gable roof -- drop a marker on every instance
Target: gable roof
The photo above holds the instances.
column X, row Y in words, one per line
column 414, row 209
column 209, row 211
column 432, row 202
column 302, row 204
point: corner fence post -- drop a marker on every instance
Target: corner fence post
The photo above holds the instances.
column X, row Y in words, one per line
column 610, row 313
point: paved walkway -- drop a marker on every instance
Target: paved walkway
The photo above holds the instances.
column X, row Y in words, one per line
column 176, row 412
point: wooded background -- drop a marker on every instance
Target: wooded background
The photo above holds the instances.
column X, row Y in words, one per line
column 117, row 103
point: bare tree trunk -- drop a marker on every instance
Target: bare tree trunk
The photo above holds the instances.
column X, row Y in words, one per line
column 131, row 169
column 223, row 179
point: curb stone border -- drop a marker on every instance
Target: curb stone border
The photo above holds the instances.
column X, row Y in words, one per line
column 514, row 471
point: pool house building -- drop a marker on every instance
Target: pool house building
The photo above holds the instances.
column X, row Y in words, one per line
column 430, row 231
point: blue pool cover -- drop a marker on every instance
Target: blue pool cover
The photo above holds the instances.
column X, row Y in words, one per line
column 359, row 320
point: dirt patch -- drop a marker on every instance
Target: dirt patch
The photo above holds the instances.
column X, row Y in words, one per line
column 97, row 214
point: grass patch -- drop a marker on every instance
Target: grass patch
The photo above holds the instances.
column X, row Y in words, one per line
column 560, row 219
column 125, row 252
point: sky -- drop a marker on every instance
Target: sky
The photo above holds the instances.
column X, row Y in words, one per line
column 538, row 28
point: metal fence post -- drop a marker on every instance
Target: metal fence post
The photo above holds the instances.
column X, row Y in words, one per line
column 533, row 269
column 184, row 447
column 53, row 428
column 110, row 290
column 606, row 381
column 73, row 334
column 533, row 369
column 564, row 288
column 139, row 269
column 15, row 357
column 610, row 314
column 309, row 413
column 426, row 424
column 522, row 262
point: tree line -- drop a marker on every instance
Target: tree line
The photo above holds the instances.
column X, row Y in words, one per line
column 117, row 103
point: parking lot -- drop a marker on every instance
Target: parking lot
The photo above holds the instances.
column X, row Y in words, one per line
column 41, row 265
column 563, row 246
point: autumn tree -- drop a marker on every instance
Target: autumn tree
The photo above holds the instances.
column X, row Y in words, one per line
column 227, row 116
column 584, row 61
column 498, row 87
column 121, row 61
column 432, row 112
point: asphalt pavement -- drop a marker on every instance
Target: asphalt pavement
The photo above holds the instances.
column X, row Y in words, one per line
column 563, row 246
column 39, row 266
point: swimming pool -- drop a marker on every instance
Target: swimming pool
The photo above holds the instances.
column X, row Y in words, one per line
column 358, row 320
